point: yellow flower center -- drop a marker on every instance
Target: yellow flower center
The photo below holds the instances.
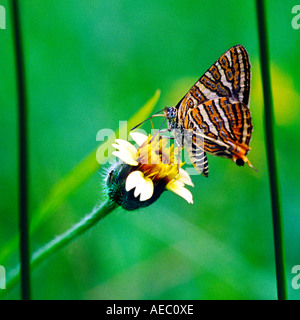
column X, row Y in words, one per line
column 157, row 160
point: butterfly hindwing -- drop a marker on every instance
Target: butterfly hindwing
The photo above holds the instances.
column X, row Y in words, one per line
column 224, row 124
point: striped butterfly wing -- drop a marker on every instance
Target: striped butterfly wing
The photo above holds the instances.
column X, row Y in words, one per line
column 228, row 77
column 225, row 125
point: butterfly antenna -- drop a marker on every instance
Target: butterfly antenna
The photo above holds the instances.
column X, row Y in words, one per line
column 251, row 166
column 245, row 159
column 158, row 131
column 154, row 115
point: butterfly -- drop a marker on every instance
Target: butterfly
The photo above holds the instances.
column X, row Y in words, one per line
column 215, row 112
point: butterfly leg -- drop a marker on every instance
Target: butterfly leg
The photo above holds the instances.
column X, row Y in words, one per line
column 166, row 137
column 178, row 158
column 152, row 122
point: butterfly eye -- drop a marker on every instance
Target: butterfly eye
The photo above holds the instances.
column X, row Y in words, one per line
column 171, row 113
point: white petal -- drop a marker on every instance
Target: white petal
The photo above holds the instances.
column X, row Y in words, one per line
column 125, row 151
column 126, row 157
column 148, row 190
column 116, row 146
column 134, row 179
column 138, row 137
column 125, row 145
column 143, row 186
column 185, row 177
column 178, row 188
column 137, row 191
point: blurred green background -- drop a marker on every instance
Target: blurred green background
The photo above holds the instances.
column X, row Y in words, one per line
column 90, row 64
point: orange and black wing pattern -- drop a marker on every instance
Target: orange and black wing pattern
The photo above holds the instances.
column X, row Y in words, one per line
column 225, row 127
column 229, row 76
column 216, row 108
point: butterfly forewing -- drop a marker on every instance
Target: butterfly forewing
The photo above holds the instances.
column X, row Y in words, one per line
column 229, row 76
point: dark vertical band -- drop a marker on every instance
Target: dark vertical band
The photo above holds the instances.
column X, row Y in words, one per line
column 271, row 155
column 23, row 155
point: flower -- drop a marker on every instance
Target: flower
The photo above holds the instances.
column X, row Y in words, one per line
column 141, row 175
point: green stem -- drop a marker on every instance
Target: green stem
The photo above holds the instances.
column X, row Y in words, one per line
column 23, row 156
column 63, row 240
column 271, row 155
column 76, row 177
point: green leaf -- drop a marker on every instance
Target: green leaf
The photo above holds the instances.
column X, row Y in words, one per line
column 77, row 176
